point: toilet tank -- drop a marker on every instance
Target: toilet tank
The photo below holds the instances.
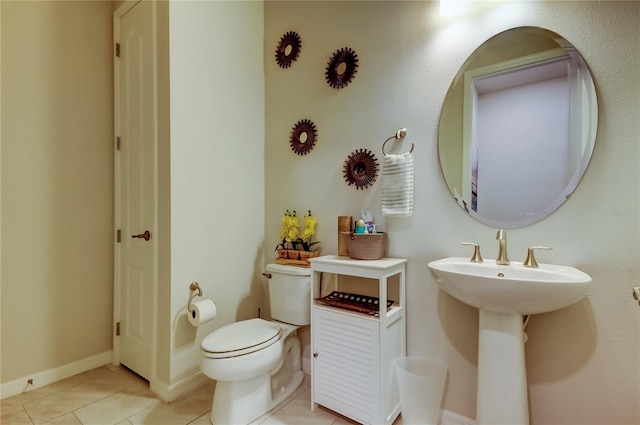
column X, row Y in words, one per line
column 290, row 293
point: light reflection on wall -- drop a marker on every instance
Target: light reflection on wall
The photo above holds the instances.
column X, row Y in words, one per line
column 455, row 36
column 453, row 7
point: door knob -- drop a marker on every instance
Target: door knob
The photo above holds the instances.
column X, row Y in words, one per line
column 146, row 235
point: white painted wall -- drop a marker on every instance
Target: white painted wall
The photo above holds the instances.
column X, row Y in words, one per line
column 57, row 185
column 583, row 360
column 216, row 167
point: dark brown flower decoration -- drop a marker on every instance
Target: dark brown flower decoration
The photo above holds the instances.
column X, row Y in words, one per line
column 288, row 49
column 361, row 168
column 303, row 137
column 341, row 68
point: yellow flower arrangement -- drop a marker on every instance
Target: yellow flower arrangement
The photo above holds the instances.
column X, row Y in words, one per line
column 309, row 230
column 290, row 232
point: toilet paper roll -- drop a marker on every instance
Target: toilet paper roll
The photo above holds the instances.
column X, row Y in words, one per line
column 202, row 311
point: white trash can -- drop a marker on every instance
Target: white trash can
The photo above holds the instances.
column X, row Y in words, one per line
column 420, row 386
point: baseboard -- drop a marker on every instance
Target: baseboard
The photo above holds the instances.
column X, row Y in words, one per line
column 171, row 392
column 40, row 379
column 450, row 418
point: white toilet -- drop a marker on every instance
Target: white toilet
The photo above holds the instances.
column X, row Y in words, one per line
column 257, row 363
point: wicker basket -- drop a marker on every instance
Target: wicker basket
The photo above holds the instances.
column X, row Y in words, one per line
column 366, row 246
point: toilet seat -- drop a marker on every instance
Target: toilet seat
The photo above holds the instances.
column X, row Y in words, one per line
column 240, row 338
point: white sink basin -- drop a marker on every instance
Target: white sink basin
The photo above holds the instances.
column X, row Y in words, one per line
column 511, row 289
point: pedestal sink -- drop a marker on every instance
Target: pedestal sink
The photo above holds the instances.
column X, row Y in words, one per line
column 503, row 294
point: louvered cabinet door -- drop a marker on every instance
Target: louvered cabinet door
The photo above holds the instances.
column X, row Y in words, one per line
column 346, row 363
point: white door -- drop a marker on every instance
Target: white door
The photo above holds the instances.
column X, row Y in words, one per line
column 135, row 194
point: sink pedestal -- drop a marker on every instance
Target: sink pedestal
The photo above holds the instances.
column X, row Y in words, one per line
column 503, row 294
column 502, row 377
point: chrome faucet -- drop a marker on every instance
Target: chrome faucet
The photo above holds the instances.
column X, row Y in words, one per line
column 502, row 253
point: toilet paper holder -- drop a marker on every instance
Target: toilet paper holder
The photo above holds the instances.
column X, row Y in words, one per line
column 195, row 286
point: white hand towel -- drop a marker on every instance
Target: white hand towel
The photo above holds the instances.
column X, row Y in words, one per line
column 397, row 185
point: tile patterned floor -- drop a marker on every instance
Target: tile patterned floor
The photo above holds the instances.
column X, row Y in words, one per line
column 114, row 395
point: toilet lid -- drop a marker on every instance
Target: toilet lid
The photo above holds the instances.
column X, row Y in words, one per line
column 240, row 338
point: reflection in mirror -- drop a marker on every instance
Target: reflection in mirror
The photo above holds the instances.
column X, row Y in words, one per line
column 288, row 49
column 517, row 127
column 359, row 169
column 302, row 138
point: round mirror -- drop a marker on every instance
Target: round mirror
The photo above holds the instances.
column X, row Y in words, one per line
column 517, row 127
column 359, row 169
column 341, row 68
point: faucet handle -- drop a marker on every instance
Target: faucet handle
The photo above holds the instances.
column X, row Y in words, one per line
column 531, row 259
column 477, row 258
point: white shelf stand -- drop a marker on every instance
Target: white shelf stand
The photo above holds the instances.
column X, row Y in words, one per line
column 353, row 353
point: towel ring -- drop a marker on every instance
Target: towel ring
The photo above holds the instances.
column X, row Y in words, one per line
column 399, row 135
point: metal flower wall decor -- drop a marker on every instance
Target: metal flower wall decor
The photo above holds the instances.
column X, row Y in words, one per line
column 361, row 169
column 303, row 137
column 341, row 68
column 288, row 49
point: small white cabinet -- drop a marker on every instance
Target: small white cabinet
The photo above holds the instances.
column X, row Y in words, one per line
column 353, row 353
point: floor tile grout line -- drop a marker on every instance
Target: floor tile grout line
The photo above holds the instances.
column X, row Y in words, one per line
column 76, row 416
column 27, row 413
column 208, row 413
column 111, row 395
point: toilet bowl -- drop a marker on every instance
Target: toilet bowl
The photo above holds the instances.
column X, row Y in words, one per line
column 257, row 363
column 242, row 350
